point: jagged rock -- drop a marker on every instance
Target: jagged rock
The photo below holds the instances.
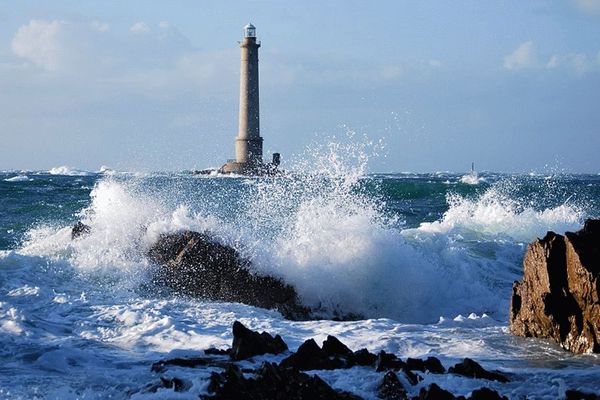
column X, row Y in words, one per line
column 271, row 382
column 80, row 229
column 217, row 352
column 247, row 343
column 472, row 369
column 486, row 394
column 310, row 356
column 559, row 296
column 196, row 264
column 431, row 364
column 391, row 388
column 577, row 395
column 333, row 347
column 363, row 357
column 386, row 361
column 434, row 392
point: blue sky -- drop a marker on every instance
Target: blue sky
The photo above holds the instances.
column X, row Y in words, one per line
column 148, row 85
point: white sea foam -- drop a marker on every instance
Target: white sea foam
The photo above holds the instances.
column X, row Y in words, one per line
column 472, row 179
column 495, row 214
column 68, row 171
column 18, row 178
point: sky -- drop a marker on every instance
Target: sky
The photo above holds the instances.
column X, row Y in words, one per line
column 154, row 85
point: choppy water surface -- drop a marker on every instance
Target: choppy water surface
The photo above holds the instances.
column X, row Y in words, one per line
column 429, row 259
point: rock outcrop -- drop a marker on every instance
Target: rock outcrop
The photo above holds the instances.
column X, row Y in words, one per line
column 559, row 296
column 287, row 380
column 196, row 264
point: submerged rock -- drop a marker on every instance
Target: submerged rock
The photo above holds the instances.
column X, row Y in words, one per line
column 80, row 229
column 559, row 296
column 472, row 369
column 196, row 264
column 247, row 343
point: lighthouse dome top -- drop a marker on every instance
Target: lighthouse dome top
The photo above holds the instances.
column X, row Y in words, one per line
column 249, row 31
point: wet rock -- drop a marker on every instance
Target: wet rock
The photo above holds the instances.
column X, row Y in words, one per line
column 577, row 395
column 333, row 347
column 434, row 392
column 193, row 362
column 310, row 356
column 486, row 394
column 196, row 264
column 80, row 229
column 559, row 296
column 247, row 343
column 217, row 352
column 386, row 361
column 178, row 385
column 271, row 382
column 391, row 388
column 431, row 364
column 472, row 369
column 362, row 357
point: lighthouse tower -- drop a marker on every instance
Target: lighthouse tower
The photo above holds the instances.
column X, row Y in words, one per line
column 248, row 143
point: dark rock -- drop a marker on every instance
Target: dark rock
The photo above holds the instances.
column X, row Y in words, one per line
column 196, row 264
column 247, row 343
column 431, row 364
column 160, row 366
column 434, row 365
column 362, row 357
column 80, row 229
column 486, row 394
column 333, row 347
column 310, row 356
column 559, row 296
column 472, row 369
column 176, row 384
column 434, row 392
column 391, row 388
column 577, row 395
column 217, row 352
column 386, row 361
column 271, row 382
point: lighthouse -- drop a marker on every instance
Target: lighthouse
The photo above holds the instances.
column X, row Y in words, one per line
column 248, row 142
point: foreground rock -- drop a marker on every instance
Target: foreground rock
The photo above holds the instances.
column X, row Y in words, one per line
column 196, row 264
column 559, row 296
column 247, row 343
column 271, row 382
column 287, row 381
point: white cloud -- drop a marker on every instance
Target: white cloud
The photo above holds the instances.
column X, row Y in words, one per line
column 163, row 25
column 524, row 56
column 140, row 27
column 578, row 63
column 100, row 26
column 39, row 42
column 588, row 6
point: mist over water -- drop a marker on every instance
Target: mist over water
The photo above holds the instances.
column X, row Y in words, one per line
column 400, row 249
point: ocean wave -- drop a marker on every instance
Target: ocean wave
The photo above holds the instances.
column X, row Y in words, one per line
column 68, row 171
column 18, row 178
column 494, row 214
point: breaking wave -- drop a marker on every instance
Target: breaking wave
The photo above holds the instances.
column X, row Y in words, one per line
column 321, row 230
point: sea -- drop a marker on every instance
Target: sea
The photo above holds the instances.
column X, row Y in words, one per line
column 426, row 259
